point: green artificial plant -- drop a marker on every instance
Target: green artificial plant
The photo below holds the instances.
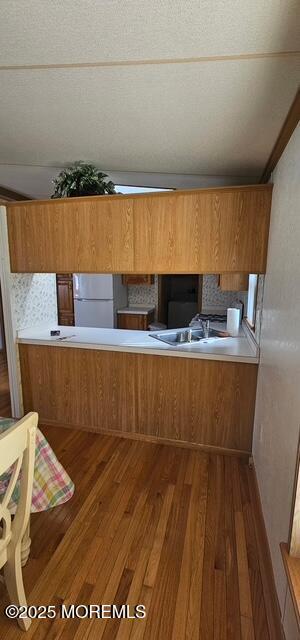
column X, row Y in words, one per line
column 82, row 179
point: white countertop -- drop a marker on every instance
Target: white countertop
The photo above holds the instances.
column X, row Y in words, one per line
column 142, row 309
column 240, row 349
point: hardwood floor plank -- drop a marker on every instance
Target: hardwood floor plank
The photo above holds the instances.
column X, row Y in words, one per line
column 212, row 525
column 176, row 530
column 156, row 550
column 138, row 557
column 220, row 623
column 166, row 584
column 109, row 522
column 167, row 579
column 68, row 631
column 246, row 628
column 65, row 550
column 146, row 553
column 246, row 610
column 243, row 568
column 220, row 616
column 138, row 630
column 232, row 585
column 120, row 598
column 60, row 519
column 106, row 586
column 197, row 542
column 188, row 604
column 123, row 544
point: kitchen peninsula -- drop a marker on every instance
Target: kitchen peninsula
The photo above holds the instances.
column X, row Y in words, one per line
column 127, row 383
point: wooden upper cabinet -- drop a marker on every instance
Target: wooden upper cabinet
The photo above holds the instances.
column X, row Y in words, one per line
column 76, row 235
column 199, row 231
column 234, row 281
column 206, row 231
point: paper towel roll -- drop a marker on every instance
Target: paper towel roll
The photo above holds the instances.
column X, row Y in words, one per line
column 233, row 321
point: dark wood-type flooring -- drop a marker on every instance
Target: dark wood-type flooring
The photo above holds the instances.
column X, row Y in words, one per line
column 174, row 529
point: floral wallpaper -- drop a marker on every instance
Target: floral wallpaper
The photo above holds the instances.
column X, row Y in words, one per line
column 33, row 297
column 143, row 294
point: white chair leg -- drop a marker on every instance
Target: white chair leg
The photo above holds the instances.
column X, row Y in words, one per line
column 25, row 545
column 14, row 583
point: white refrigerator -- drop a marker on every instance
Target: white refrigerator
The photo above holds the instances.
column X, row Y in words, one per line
column 97, row 298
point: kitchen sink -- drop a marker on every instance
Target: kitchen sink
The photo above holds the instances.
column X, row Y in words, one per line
column 186, row 335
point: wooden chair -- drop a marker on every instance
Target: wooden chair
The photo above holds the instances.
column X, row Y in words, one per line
column 17, row 448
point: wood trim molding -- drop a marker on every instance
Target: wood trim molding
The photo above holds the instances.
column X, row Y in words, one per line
column 292, row 570
column 268, row 582
column 9, row 194
column 141, row 437
column 151, row 61
column 53, row 202
column 289, row 126
column 294, row 534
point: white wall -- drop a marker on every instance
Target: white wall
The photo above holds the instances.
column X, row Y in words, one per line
column 36, row 182
column 277, row 416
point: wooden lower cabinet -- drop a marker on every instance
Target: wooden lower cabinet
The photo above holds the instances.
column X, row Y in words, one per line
column 139, row 321
column 66, row 319
column 183, row 400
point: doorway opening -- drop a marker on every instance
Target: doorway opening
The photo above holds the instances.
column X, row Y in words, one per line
column 5, row 403
column 179, row 299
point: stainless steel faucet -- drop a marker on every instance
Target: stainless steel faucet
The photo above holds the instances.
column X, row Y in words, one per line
column 206, row 328
column 196, row 321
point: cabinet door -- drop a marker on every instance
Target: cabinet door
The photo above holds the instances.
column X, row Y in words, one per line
column 65, row 319
column 202, row 231
column 233, row 281
column 137, row 321
column 137, row 279
column 216, row 230
column 65, row 296
column 130, row 321
column 65, row 305
column 91, row 235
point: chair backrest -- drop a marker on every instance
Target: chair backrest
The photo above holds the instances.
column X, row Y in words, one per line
column 17, row 454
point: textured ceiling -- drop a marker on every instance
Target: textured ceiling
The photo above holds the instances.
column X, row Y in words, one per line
column 69, row 31
column 143, row 104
